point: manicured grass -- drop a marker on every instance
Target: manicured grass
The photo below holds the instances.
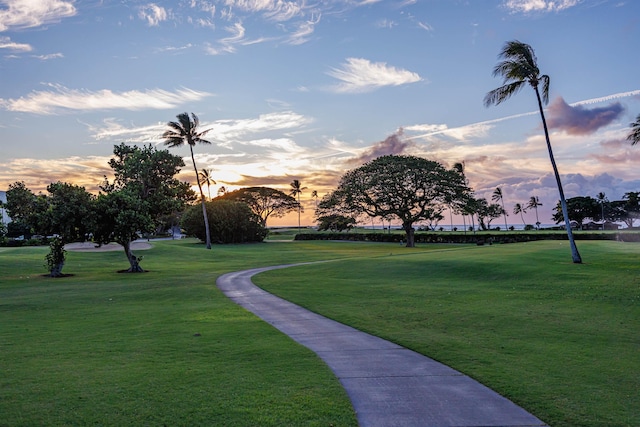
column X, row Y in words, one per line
column 562, row 340
column 159, row 348
column 167, row 348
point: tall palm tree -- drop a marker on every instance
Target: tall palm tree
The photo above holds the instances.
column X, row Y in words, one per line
column 519, row 209
column 185, row 131
column 518, row 69
column 602, row 199
column 314, row 194
column 534, row 202
column 204, row 177
column 497, row 196
column 296, row 190
column 634, row 135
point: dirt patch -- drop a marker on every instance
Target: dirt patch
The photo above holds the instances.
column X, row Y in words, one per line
column 92, row 247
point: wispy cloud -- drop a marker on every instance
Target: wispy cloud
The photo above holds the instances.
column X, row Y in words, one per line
column 303, row 31
column 61, row 99
column 6, row 43
column 362, row 75
column 276, row 10
column 29, row 13
column 578, row 120
column 49, row 56
column 153, row 14
column 222, row 132
column 228, row 44
column 529, row 6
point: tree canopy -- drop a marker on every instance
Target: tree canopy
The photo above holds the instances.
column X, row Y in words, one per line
column 408, row 188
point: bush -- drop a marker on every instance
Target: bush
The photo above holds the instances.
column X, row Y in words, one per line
column 229, row 222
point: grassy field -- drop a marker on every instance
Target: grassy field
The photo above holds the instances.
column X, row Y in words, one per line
column 166, row 348
column 562, row 340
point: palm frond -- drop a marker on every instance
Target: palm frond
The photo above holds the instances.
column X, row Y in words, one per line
column 497, row 96
column 634, row 135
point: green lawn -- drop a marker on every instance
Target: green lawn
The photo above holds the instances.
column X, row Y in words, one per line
column 167, row 348
column 562, row 340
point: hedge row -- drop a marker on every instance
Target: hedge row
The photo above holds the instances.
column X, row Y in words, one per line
column 484, row 238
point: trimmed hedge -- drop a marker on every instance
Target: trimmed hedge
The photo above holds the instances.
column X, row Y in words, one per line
column 482, row 238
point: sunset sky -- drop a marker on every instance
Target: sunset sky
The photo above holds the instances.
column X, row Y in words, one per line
column 310, row 89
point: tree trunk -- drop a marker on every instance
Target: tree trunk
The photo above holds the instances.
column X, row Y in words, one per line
column 202, row 200
column 134, row 262
column 409, row 230
column 575, row 255
column 56, row 271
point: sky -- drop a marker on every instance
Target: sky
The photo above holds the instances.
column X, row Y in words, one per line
column 310, row 89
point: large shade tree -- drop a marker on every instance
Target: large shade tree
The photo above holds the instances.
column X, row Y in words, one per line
column 519, row 68
column 144, row 189
column 185, row 131
column 264, row 201
column 408, row 188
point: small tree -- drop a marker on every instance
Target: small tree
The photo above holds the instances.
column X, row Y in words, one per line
column 56, row 257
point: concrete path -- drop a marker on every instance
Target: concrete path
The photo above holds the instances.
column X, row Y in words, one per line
column 388, row 385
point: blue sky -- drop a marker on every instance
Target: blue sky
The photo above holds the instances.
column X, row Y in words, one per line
column 309, row 89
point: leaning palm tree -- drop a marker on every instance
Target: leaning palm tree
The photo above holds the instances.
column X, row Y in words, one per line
column 204, row 177
column 534, row 202
column 634, row 135
column 518, row 69
column 519, row 209
column 296, row 190
column 185, row 131
column 498, row 197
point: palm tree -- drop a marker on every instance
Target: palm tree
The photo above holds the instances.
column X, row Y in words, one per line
column 497, row 196
column 314, row 194
column 634, row 136
column 602, row 199
column 534, row 202
column 222, row 190
column 296, row 190
column 185, row 131
column 518, row 69
column 205, row 178
column 519, row 209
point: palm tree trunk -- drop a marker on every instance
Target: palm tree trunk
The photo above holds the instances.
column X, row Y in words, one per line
column 575, row 255
column 504, row 214
column 202, row 201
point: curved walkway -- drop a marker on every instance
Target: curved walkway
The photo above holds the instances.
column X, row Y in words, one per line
column 388, row 385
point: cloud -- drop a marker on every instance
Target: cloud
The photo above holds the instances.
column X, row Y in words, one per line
column 577, row 120
column 153, row 14
column 228, row 44
column 49, row 56
column 21, row 14
column 274, row 10
column 62, row 99
column 6, row 43
column 361, row 75
column 303, row 31
column 222, row 132
column 532, row 6
column 393, row 144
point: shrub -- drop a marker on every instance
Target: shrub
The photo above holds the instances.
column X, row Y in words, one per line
column 229, row 222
